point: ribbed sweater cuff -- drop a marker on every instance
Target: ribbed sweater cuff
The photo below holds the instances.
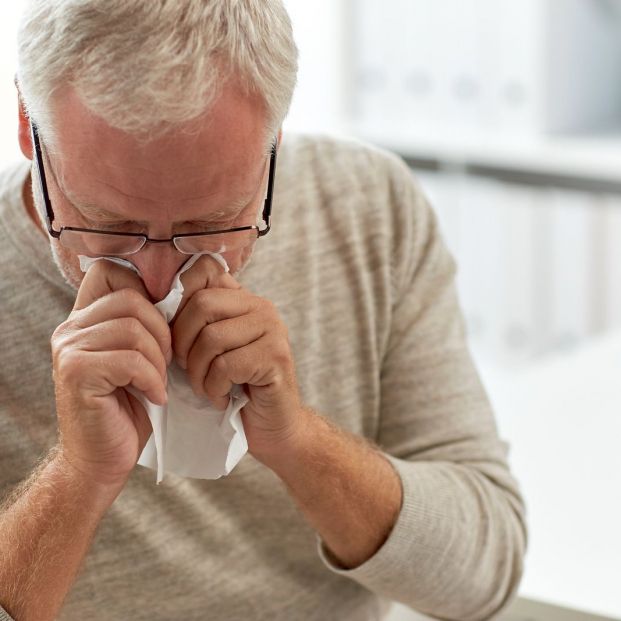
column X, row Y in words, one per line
column 416, row 538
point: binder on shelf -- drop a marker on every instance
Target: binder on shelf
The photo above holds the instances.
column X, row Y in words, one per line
column 601, row 254
column 377, row 50
column 459, row 63
column 511, row 63
column 571, row 274
column 480, row 261
column 539, row 270
column 613, row 262
column 526, row 68
column 582, row 63
column 522, row 292
column 420, row 78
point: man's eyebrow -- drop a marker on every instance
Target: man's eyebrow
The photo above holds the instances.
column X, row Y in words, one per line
column 231, row 210
column 97, row 212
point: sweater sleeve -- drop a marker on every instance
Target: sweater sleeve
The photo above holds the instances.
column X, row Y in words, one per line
column 456, row 551
column 4, row 615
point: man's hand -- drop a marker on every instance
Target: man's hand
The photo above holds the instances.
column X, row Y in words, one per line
column 225, row 335
column 347, row 490
column 113, row 338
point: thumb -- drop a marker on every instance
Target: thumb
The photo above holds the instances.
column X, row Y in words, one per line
column 104, row 277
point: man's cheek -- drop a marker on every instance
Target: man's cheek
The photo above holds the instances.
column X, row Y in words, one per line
column 68, row 264
column 238, row 260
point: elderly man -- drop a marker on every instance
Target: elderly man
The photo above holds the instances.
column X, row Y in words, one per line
column 374, row 470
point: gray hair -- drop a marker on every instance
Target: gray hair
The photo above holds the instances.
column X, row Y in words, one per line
column 145, row 66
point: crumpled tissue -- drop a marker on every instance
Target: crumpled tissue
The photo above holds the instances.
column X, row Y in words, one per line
column 191, row 438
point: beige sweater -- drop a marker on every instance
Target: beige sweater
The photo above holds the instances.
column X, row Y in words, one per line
column 358, row 271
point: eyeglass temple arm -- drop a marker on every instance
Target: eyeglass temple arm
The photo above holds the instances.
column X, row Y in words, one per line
column 42, row 180
column 267, row 205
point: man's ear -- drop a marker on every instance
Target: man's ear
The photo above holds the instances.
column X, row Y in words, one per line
column 23, row 130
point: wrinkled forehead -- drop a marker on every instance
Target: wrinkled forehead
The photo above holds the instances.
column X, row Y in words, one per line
column 219, row 155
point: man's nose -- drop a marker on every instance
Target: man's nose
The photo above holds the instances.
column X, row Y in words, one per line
column 158, row 265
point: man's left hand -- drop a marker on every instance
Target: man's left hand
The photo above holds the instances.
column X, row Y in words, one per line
column 225, row 335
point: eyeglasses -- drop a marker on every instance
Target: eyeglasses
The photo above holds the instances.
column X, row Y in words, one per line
column 93, row 242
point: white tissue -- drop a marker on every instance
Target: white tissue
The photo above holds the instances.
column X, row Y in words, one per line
column 190, row 437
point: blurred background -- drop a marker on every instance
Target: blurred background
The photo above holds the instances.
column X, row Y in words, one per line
column 509, row 114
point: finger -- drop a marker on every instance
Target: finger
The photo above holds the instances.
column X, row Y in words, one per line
column 142, row 422
column 127, row 303
column 205, row 273
column 216, row 339
column 104, row 277
column 109, row 370
column 122, row 334
column 252, row 364
column 206, row 307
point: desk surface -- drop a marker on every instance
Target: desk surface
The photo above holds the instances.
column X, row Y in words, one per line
column 562, row 418
column 520, row 610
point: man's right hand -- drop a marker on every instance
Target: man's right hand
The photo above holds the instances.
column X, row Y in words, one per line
column 113, row 338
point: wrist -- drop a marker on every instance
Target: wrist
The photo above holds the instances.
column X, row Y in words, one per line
column 283, row 454
column 101, row 490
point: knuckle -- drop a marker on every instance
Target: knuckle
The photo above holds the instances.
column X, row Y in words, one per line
column 135, row 359
column 59, row 340
column 226, row 281
column 132, row 327
column 220, row 365
column 62, row 330
column 282, row 353
column 135, row 364
column 58, row 332
column 166, row 341
column 211, row 337
column 67, row 364
column 132, row 298
column 201, row 298
column 266, row 306
column 212, row 274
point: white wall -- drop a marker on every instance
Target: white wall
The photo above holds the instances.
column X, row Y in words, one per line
column 319, row 102
column 9, row 17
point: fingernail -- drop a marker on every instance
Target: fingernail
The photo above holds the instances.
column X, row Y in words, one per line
column 182, row 363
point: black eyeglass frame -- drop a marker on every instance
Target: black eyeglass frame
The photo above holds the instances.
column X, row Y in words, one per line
column 49, row 212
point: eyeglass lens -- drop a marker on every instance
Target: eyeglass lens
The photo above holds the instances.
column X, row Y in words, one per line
column 92, row 243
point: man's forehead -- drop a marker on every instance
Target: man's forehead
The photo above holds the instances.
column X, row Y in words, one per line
column 220, row 159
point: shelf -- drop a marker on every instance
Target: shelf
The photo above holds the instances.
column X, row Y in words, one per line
column 578, row 160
